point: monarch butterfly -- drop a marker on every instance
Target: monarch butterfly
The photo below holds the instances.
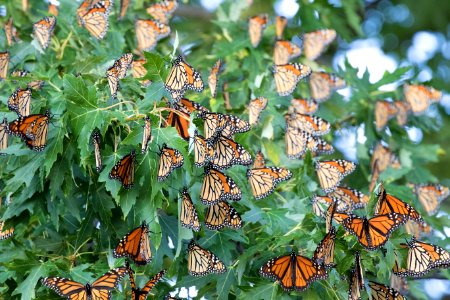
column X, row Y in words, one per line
column 284, row 51
column 4, row 64
column 226, row 96
column 388, row 203
column 149, row 32
column 293, row 271
column 142, row 294
column 43, row 29
column 259, row 160
column 180, row 120
column 147, row 135
column 161, row 11
column 93, row 15
column 123, row 170
column 32, row 130
column 11, row 32
column 417, row 229
column 228, row 125
column 20, row 101
column 353, row 199
column 169, row 160
column 139, row 71
column 3, row 135
column 118, row 71
column 280, row 24
column 419, row 97
column 53, row 9
column 380, row 291
column 287, row 76
column 298, row 142
column 322, row 147
column 303, row 106
column 213, row 79
column 217, row 187
column 202, row 262
column 372, row 233
column 315, row 43
column 256, row 25
column 182, row 76
column 36, row 84
column 331, row 172
column 255, row 108
column 324, row 253
column 330, row 216
column 323, row 84
column 263, row 181
column 7, row 233
column 403, row 109
column 382, row 158
column 399, row 283
column 203, row 150
column 319, row 202
column 189, row 216
column 99, row 290
column 422, row 258
column 220, row 215
column 135, row 245
column 431, row 195
column 356, row 280
column 123, row 8
column 228, row 153
column 98, row 156
column 313, row 125
column 384, row 111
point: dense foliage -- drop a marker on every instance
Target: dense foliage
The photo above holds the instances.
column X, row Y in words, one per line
column 68, row 218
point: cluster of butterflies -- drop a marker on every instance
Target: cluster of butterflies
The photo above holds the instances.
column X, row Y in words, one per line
column 136, row 246
column 418, row 99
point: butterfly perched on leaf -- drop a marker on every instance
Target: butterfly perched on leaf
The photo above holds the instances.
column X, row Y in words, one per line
column 227, row 152
column 182, row 77
column 135, row 245
column 98, row 155
column 20, row 101
column 255, row 108
column 32, row 129
column 292, row 271
column 280, row 25
column 43, row 30
column 288, row 75
column 227, row 125
column 381, row 292
column 331, row 173
column 263, row 181
column 384, row 111
column 356, row 279
column 420, row 97
column 256, row 26
column 303, row 106
column 123, row 170
column 316, row 42
column 313, row 125
column 142, row 294
column 431, row 195
column 11, row 32
column 4, row 234
column 202, row 262
column 213, row 78
column 203, row 150
column 162, row 10
column 351, row 198
column 93, row 15
column 284, row 51
column 371, row 233
column 324, row 253
column 298, row 142
column 118, row 71
column 4, row 135
column 146, row 135
column 188, row 215
column 149, row 32
column 323, row 84
column 220, row 215
column 259, row 161
column 4, row 64
column 99, row 289
column 217, row 187
column 139, row 71
column 169, row 160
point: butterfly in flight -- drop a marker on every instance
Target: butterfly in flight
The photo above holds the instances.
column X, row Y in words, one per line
column 149, row 32
column 256, row 26
column 316, row 42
